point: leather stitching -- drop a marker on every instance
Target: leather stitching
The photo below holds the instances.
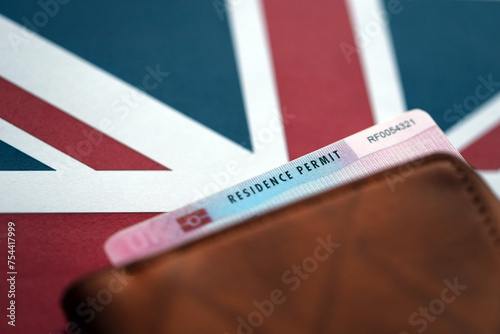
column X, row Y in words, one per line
column 480, row 204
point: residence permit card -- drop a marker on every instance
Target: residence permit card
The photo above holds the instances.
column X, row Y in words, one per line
column 405, row 138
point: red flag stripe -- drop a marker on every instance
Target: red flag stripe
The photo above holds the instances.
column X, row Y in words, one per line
column 319, row 90
column 52, row 251
column 67, row 133
column 483, row 153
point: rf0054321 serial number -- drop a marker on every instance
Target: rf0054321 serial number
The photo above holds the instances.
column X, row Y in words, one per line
column 401, row 126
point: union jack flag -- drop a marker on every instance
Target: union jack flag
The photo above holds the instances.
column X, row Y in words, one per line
column 112, row 112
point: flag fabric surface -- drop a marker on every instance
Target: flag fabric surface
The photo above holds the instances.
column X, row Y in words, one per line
column 111, row 113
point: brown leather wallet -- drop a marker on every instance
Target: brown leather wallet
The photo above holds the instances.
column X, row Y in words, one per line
column 413, row 249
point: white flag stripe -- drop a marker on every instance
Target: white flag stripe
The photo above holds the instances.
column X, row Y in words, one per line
column 38, row 150
column 374, row 45
column 476, row 124
column 95, row 191
column 253, row 56
column 493, row 179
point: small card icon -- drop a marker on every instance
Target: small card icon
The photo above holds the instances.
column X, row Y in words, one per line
column 194, row 220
